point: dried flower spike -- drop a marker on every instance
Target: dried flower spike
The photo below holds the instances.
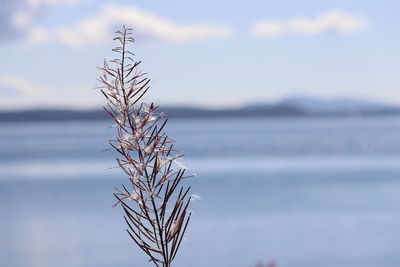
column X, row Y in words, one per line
column 147, row 157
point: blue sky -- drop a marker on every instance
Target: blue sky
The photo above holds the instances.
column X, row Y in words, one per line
column 202, row 53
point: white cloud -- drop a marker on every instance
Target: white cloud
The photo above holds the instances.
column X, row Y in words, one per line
column 22, row 25
column 48, row 3
column 98, row 29
column 17, row 92
column 37, row 35
column 15, row 84
column 268, row 28
column 22, row 18
column 32, row 33
column 336, row 20
column 195, row 197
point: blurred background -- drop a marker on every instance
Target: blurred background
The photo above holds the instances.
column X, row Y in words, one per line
column 288, row 110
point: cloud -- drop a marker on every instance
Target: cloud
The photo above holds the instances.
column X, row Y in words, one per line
column 48, row 3
column 36, row 35
column 7, row 29
column 23, row 22
column 336, row 20
column 18, row 92
column 268, row 28
column 98, row 29
column 19, row 23
column 195, row 197
column 15, row 84
column 18, row 19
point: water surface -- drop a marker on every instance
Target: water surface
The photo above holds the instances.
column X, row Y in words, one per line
column 304, row 192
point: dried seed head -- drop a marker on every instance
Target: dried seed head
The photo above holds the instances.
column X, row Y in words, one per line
column 128, row 142
column 146, row 156
column 148, row 150
column 176, row 226
column 121, row 120
column 138, row 121
column 135, row 179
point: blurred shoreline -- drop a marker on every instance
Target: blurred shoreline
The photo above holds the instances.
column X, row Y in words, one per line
column 282, row 109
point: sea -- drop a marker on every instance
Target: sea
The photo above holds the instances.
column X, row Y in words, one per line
column 300, row 192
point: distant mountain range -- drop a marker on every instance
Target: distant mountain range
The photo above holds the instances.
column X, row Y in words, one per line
column 316, row 105
column 294, row 106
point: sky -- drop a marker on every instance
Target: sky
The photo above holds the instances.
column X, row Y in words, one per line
column 201, row 53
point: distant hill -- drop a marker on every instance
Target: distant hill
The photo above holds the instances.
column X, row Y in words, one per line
column 295, row 106
column 52, row 115
column 173, row 112
column 318, row 105
column 312, row 106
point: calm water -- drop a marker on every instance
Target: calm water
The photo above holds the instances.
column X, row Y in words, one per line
column 304, row 192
